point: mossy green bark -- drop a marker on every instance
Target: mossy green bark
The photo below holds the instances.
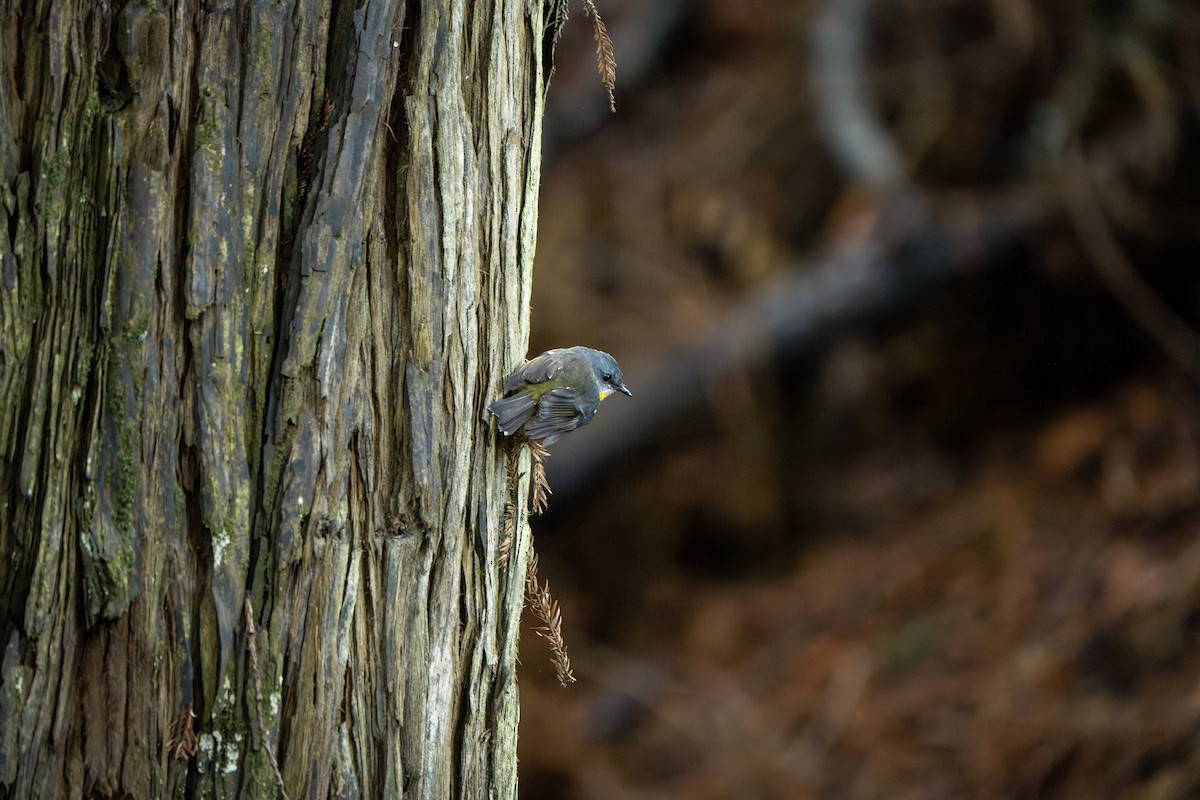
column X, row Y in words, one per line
column 261, row 271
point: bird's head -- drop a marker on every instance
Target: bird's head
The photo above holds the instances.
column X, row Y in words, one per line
column 608, row 373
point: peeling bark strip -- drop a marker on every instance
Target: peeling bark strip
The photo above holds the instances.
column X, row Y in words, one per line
column 261, row 266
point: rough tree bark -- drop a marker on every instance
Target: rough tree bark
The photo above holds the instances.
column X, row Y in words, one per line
column 263, row 265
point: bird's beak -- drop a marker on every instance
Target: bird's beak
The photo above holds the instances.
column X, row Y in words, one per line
column 624, row 391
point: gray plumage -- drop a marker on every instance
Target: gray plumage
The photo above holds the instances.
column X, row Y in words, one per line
column 557, row 392
column 513, row 412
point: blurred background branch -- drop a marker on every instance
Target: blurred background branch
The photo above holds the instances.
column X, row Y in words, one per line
column 909, row 249
column 848, row 115
column 1168, row 329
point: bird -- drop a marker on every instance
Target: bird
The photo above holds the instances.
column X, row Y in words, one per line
column 553, row 394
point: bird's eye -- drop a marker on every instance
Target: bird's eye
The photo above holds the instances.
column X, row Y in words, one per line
column 606, row 377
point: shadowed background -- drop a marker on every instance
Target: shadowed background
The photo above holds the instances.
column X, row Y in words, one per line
column 905, row 503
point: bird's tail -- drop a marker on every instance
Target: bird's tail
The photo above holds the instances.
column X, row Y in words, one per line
column 512, row 412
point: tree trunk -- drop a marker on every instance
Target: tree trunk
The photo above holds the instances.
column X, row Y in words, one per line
column 264, row 264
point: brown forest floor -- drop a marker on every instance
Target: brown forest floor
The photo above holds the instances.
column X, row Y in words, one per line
column 1033, row 630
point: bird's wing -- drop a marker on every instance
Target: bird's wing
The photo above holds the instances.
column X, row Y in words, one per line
column 559, row 411
column 536, row 370
column 513, row 412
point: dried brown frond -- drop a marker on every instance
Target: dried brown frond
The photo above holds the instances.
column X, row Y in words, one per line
column 252, row 649
column 556, row 19
column 546, row 609
column 606, row 59
column 184, row 743
column 511, row 465
column 541, row 485
column 510, row 533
